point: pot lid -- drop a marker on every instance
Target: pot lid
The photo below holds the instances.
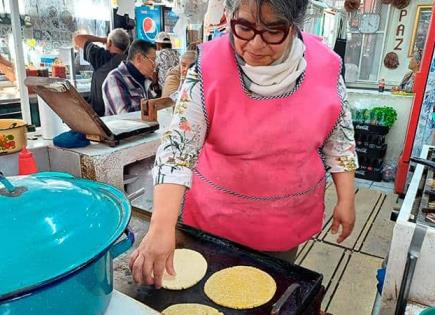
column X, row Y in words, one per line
column 52, row 224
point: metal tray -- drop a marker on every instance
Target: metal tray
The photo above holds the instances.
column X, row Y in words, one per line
column 220, row 254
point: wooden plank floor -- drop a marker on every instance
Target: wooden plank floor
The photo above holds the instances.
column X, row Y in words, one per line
column 350, row 268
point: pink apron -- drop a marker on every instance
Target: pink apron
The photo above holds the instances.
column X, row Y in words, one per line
column 260, row 179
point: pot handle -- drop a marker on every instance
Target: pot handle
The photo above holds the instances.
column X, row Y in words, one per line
column 8, row 185
column 124, row 245
column 9, row 189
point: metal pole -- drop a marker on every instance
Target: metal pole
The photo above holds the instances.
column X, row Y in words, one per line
column 111, row 14
column 72, row 66
column 19, row 60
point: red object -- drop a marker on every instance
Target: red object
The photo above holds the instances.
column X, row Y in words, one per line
column 419, row 88
column 58, row 71
column 381, row 86
column 26, row 162
column 148, row 25
column 30, row 72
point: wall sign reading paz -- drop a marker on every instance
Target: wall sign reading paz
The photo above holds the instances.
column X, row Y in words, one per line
column 400, row 31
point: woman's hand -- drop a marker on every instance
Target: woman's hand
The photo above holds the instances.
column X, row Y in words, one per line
column 344, row 215
column 344, row 212
column 156, row 251
column 154, row 255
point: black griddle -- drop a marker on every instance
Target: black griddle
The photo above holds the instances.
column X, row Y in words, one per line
column 220, row 254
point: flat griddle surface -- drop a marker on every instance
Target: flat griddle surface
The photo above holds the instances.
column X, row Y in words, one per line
column 221, row 254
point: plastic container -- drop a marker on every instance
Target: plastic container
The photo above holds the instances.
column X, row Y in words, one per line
column 369, row 173
column 381, row 86
column 372, row 151
column 370, row 140
column 363, row 127
column 389, row 171
column 31, row 72
column 26, row 163
column 58, row 71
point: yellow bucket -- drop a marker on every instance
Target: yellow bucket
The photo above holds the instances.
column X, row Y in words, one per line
column 12, row 135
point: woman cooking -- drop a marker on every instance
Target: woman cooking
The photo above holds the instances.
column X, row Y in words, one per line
column 258, row 119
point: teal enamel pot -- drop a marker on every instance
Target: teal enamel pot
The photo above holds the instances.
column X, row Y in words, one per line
column 58, row 236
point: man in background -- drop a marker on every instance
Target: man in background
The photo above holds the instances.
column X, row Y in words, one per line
column 131, row 81
column 103, row 60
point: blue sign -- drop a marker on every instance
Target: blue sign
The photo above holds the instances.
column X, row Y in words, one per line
column 148, row 22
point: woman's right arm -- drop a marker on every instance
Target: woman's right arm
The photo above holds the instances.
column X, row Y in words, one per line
column 172, row 172
column 155, row 252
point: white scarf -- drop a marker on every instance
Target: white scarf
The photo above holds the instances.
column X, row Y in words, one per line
column 279, row 77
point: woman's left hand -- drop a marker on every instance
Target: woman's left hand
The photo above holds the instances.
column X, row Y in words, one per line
column 344, row 215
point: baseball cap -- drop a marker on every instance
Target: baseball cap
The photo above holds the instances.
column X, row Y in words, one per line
column 163, row 38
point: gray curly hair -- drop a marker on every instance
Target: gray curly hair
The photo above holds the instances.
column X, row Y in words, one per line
column 291, row 11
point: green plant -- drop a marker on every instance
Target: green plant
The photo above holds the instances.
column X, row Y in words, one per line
column 385, row 115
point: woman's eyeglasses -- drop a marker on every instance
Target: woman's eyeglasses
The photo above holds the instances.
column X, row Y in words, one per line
column 246, row 31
